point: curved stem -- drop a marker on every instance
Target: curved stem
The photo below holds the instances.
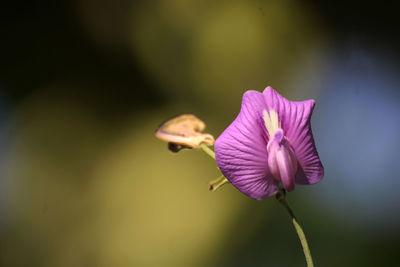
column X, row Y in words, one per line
column 281, row 197
column 207, row 150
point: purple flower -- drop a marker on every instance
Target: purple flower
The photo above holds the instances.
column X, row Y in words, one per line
column 269, row 142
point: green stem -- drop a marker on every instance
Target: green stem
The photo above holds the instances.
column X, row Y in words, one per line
column 207, row 150
column 217, row 183
column 220, row 181
column 281, row 197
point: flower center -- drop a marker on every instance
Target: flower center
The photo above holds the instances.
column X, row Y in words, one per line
column 271, row 121
column 282, row 161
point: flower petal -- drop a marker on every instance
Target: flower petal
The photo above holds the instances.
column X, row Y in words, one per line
column 285, row 169
column 241, row 150
column 295, row 119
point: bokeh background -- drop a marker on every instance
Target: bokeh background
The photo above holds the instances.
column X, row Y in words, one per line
column 84, row 84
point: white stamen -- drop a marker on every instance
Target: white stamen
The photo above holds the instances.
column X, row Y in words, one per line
column 272, row 122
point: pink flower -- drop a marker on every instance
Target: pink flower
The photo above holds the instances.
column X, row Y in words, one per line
column 269, row 142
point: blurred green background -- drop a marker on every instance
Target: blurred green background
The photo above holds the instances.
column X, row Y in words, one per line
column 84, row 84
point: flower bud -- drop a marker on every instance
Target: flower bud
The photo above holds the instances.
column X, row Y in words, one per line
column 184, row 131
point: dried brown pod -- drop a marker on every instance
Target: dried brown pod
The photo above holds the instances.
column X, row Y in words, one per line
column 184, row 131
